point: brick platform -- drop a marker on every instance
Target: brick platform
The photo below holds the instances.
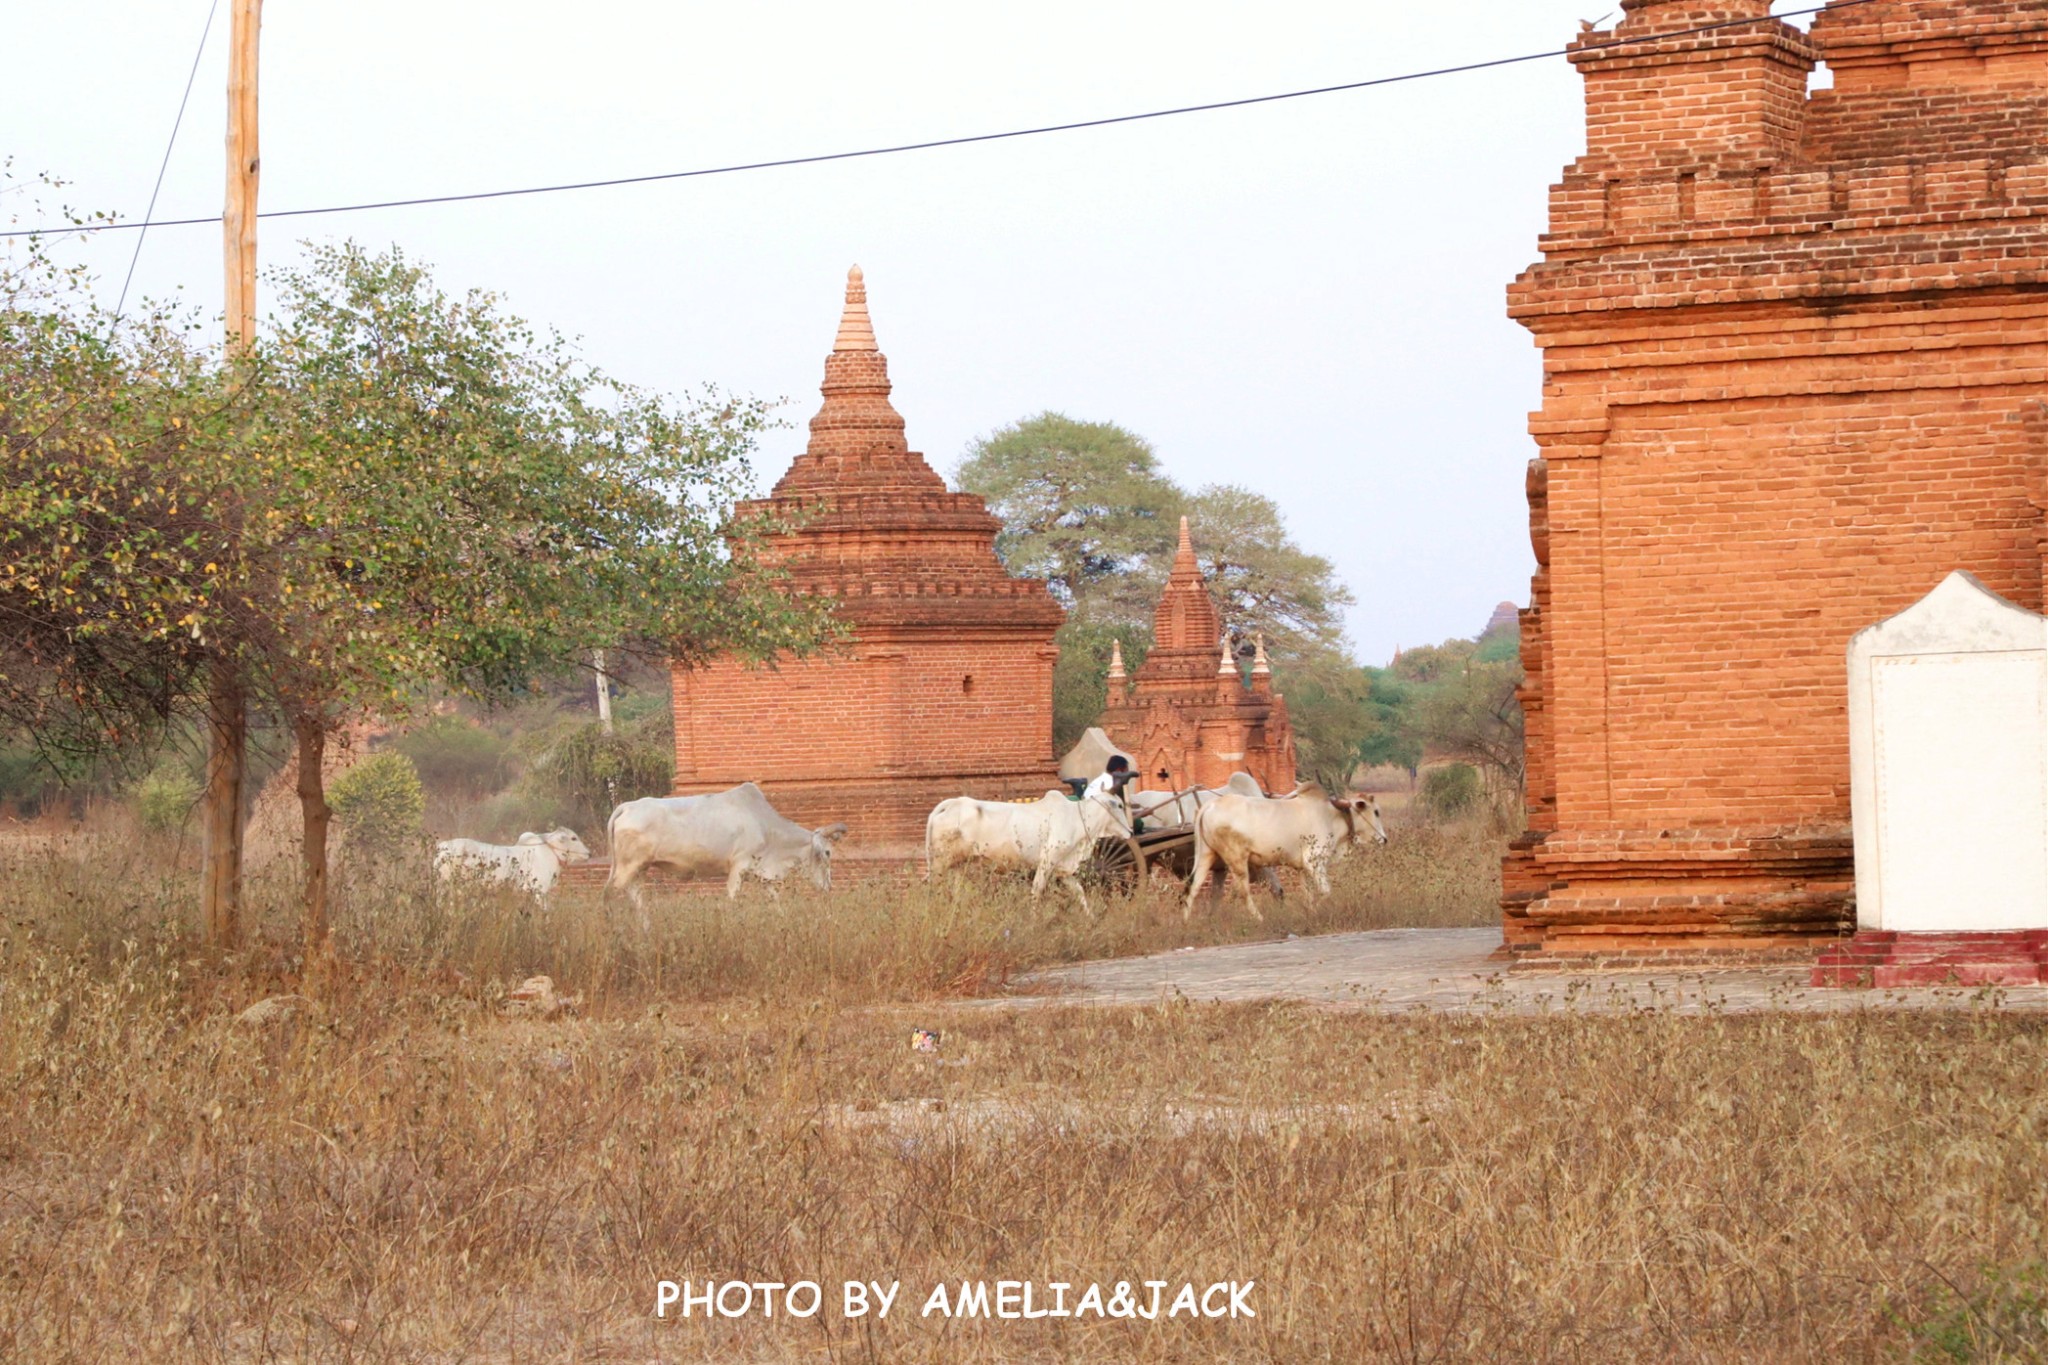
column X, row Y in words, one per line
column 1795, row 348
column 1879, row 958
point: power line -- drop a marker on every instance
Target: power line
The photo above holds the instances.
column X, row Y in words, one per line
column 966, row 140
column 157, row 189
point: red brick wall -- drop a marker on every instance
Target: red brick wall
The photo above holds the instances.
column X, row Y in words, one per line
column 1792, row 364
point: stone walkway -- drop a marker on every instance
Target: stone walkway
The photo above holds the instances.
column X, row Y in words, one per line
column 1453, row 970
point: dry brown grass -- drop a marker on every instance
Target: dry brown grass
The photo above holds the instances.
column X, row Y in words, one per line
column 406, row 1175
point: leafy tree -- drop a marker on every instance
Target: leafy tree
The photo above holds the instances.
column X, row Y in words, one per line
column 1263, row 581
column 445, row 495
column 1080, row 676
column 394, row 489
column 1084, row 506
column 1392, row 738
column 1087, row 507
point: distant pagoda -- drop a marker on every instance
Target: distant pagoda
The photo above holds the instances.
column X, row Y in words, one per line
column 1188, row 718
column 945, row 686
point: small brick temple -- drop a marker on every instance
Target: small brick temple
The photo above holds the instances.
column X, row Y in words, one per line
column 1795, row 346
column 945, row 686
column 1189, row 718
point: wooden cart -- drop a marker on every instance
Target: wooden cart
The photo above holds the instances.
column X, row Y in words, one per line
column 1120, row 864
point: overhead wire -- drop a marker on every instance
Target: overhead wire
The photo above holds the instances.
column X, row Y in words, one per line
column 964, row 140
column 176, row 123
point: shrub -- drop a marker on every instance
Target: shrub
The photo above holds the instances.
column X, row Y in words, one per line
column 165, row 797
column 1450, row 791
column 457, row 757
column 586, row 772
column 379, row 800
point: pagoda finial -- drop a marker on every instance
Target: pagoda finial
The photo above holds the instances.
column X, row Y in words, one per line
column 856, row 332
column 1228, row 664
column 1116, row 657
column 1187, row 542
column 1260, row 663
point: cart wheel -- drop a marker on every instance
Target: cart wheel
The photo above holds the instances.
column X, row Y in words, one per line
column 1114, row 865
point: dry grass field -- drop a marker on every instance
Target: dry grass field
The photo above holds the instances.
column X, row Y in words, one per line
column 403, row 1172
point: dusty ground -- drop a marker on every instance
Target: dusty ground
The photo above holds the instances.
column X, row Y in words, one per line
column 1456, row 970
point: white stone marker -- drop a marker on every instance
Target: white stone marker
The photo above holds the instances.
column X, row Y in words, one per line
column 1948, row 764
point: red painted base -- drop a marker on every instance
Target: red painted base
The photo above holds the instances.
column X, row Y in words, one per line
column 2011, row 957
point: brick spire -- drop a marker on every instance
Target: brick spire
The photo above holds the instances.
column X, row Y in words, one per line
column 1187, row 617
column 857, row 440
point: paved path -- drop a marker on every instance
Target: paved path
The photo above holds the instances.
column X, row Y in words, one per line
column 1453, row 970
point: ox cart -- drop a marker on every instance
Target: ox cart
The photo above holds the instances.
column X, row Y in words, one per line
column 1121, row 863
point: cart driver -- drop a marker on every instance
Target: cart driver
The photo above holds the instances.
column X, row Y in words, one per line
column 1110, row 788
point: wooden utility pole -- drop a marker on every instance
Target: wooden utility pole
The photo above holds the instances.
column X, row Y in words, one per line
column 227, row 710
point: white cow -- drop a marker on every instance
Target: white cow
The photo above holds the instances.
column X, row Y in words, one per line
column 533, row 864
column 1048, row 838
column 1178, row 808
column 734, row 831
column 1306, row 830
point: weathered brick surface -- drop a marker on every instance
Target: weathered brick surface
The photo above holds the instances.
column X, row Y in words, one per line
column 1794, row 355
column 1190, row 718
column 945, row 686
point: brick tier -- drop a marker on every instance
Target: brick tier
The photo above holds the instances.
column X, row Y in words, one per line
column 1794, row 351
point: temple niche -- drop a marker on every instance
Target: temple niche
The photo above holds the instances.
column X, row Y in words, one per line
column 945, row 686
column 1188, row 717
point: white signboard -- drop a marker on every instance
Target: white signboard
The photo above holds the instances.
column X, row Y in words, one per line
column 1948, row 764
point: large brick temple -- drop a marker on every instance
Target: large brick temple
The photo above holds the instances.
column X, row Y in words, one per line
column 1794, row 354
column 1190, row 717
column 945, row 685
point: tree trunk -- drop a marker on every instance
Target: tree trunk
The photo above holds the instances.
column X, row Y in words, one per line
column 227, row 729
column 312, row 736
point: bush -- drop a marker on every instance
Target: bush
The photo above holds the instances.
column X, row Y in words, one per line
column 457, row 757
column 586, row 772
column 164, row 799
column 1450, row 791
column 379, row 800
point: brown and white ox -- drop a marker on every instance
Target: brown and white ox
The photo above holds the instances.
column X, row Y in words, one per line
column 1307, row 831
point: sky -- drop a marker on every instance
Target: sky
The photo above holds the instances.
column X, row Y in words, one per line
column 1304, row 297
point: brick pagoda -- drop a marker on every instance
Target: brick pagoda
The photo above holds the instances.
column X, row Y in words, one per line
column 1794, row 350
column 1189, row 718
column 945, row 687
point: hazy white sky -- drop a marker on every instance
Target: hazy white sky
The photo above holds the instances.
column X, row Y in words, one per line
column 1305, row 298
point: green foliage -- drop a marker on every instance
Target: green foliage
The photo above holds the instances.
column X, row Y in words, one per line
column 457, row 757
column 2005, row 1317
column 1080, row 684
column 165, row 797
column 379, row 800
column 1392, row 738
column 1084, row 506
column 1450, row 791
column 586, row 772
